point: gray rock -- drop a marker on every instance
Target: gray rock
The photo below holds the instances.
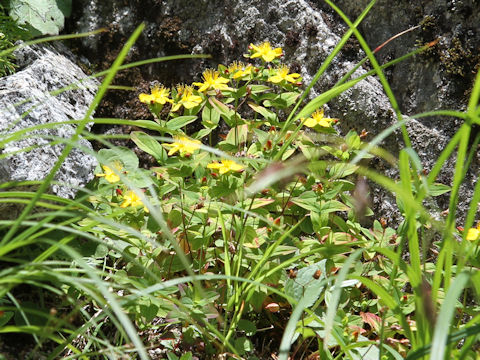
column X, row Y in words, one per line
column 308, row 34
column 440, row 78
column 26, row 101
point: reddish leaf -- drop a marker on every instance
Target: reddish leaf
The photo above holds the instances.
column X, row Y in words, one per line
column 371, row 319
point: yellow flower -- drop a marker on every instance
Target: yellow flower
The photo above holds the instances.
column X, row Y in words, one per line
column 238, row 70
column 187, row 99
column 266, row 52
column 225, row 166
column 212, row 80
column 318, row 119
column 182, row 144
column 282, row 73
column 133, row 200
column 111, row 175
column 159, row 95
column 473, row 233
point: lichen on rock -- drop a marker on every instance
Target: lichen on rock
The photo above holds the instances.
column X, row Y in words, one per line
column 29, row 98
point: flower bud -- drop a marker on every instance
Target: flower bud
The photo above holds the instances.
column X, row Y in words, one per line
column 383, row 222
column 272, row 307
column 292, row 273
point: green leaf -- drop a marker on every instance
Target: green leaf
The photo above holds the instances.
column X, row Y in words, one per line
column 288, row 153
column 237, row 135
column 5, row 317
column 180, row 122
column 308, row 200
column 243, row 345
column 65, row 7
column 255, row 89
column 306, row 284
column 353, row 140
column 283, row 100
column 148, row 144
column 171, row 356
column 140, row 178
column 260, row 202
column 270, row 116
column 148, row 124
column 101, row 251
column 210, row 116
column 261, row 135
column 148, row 311
column 187, row 356
column 42, row 17
column 445, row 316
column 438, row 189
column 340, row 170
column 247, row 326
column 369, row 352
column 126, row 156
column 202, row 133
column 332, row 206
column 228, row 115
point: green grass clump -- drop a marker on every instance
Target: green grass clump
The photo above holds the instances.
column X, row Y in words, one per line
column 246, row 239
column 10, row 32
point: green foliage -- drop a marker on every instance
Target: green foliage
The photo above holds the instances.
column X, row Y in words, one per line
column 40, row 17
column 10, row 31
column 6, row 62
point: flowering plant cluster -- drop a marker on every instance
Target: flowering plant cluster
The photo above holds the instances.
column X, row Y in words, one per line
column 231, row 179
column 241, row 190
column 251, row 236
column 223, row 136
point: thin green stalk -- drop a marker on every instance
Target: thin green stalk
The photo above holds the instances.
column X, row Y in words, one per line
column 377, row 68
column 319, row 73
column 447, row 244
column 48, row 39
column 377, row 49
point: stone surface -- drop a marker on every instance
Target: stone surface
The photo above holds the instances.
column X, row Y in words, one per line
column 308, row 32
column 26, row 100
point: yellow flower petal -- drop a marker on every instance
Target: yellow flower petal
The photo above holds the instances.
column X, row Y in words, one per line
column 266, row 52
column 159, row 95
column 318, row 119
column 212, row 81
column 131, row 199
column 187, row 99
column 109, row 174
column 282, row 74
column 145, row 98
column 238, row 70
column 225, row 166
column 310, row 123
column 473, row 234
column 182, row 144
